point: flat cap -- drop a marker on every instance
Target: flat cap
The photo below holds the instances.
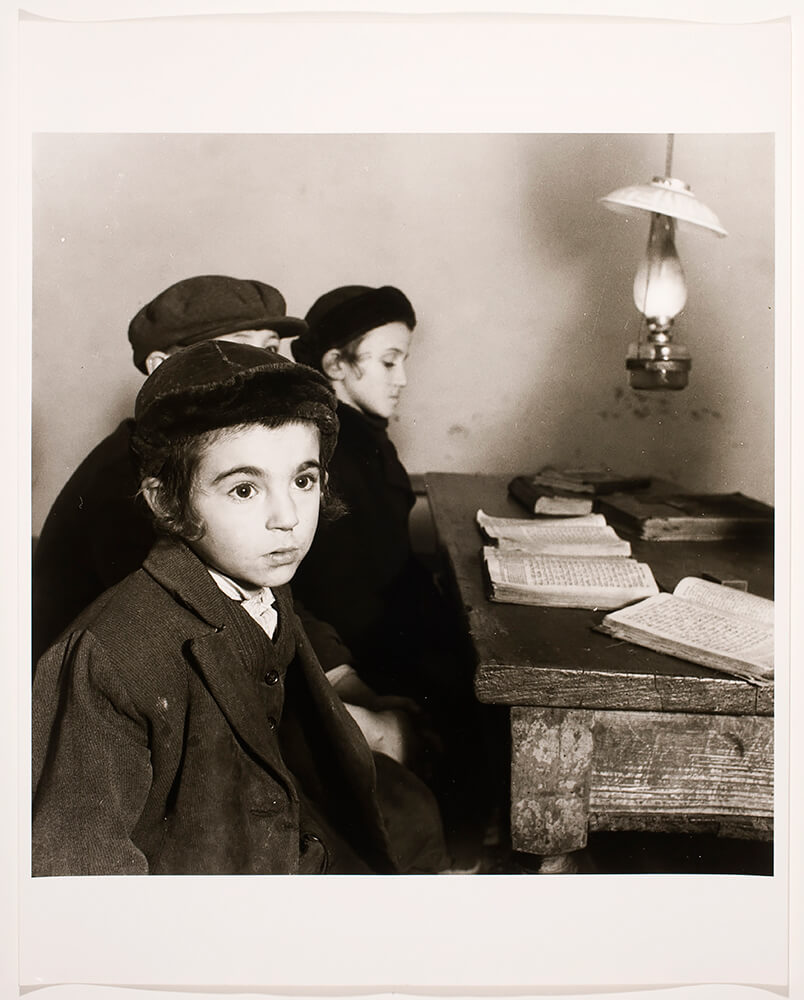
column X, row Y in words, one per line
column 205, row 307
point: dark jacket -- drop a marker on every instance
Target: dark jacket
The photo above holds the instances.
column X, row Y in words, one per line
column 361, row 574
column 170, row 735
column 99, row 530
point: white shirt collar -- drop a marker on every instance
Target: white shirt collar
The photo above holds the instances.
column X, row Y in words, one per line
column 236, row 590
column 258, row 602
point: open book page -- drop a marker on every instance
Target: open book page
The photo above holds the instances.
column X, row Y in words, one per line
column 589, row 548
column 494, row 527
column 726, row 599
column 578, row 582
column 704, row 635
column 574, row 536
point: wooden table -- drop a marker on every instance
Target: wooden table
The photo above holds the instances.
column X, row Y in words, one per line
column 606, row 735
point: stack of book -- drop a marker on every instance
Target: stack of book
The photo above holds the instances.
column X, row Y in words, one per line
column 569, row 492
column 577, row 562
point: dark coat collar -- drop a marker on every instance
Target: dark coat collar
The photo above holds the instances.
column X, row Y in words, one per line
column 356, row 420
column 177, row 569
column 365, row 438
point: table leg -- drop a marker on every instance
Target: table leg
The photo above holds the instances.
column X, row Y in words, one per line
column 558, row 864
column 551, row 760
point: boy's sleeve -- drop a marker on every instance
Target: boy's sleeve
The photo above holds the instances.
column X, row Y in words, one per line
column 328, row 645
column 91, row 765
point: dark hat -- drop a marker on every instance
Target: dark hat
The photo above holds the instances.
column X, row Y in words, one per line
column 346, row 313
column 205, row 307
column 222, row 384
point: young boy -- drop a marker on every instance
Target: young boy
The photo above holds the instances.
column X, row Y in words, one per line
column 183, row 725
column 362, row 575
column 99, row 529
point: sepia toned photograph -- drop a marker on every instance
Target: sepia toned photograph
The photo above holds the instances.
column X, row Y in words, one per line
column 407, row 456
column 524, row 616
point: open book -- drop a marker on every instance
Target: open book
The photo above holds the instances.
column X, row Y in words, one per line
column 706, row 623
column 518, row 577
column 588, row 535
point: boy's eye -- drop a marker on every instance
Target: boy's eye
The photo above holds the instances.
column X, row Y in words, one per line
column 243, row 491
column 393, row 361
column 306, row 481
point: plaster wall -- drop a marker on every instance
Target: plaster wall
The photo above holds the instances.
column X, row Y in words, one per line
column 520, row 279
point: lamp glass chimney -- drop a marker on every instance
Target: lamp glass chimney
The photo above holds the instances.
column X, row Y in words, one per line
column 660, row 291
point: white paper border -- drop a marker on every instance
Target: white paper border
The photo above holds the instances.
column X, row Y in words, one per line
column 495, row 933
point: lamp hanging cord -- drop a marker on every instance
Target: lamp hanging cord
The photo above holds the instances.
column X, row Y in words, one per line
column 654, row 220
column 668, row 156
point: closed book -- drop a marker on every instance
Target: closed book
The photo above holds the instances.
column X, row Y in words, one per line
column 687, row 517
column 596, row 482
column 548, row 501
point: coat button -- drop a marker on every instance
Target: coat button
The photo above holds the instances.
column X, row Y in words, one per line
column 272, row 677
column 271, row 723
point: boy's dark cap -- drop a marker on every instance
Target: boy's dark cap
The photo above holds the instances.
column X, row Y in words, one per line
column 222, row 384
column 205, row 307
column 346, row 313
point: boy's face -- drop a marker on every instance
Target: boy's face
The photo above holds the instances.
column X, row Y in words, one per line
column 257, row 491
column 267, row 339
column 375, row 381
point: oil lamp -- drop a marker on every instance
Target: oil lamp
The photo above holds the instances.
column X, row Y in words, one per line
column 656, row 361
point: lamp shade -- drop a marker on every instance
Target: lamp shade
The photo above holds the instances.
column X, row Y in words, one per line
column 665, row 196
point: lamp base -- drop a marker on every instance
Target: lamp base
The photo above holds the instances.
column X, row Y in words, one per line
column 647, row 373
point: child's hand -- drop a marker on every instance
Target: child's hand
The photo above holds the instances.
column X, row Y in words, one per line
column 385, row 732
column 354, row 691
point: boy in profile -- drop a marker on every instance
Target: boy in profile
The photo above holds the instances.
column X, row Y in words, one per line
column 183, row 724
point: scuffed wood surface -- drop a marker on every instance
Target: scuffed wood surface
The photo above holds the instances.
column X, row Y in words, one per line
column 551, row 760
column 573, row 770
column 551, row 656
column 735, row 827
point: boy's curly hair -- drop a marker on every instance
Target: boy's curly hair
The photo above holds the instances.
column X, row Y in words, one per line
column 170, row 497
column 205, row 391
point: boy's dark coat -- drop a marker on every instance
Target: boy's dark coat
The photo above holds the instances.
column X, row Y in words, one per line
column 99, row 530
column 152, row 742
column 362, row 576
column 362, row 563
column 96, row 533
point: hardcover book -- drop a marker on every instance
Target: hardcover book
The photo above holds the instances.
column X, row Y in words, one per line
column 687, row 517
column 594, row 482
column 548, row 501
